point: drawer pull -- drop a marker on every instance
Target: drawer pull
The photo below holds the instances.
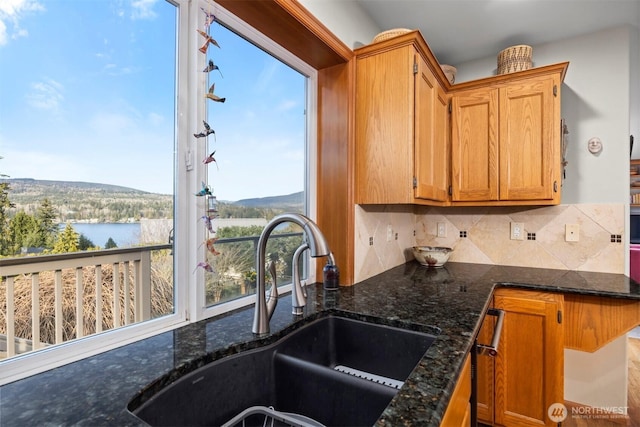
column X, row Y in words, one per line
column 492, row 349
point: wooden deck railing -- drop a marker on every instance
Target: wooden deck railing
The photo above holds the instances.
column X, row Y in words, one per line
column 129, row 286
column 110, row 287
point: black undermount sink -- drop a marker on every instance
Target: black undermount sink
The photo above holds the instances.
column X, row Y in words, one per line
column 335, row 370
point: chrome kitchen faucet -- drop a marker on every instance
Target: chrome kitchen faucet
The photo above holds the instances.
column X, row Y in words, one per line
column 318, row 247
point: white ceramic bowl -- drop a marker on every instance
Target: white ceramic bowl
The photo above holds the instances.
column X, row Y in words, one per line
column 432, row 256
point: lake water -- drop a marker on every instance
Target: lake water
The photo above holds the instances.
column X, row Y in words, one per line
column 124, row 235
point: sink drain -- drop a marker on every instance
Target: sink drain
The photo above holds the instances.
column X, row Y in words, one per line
column 379, row 379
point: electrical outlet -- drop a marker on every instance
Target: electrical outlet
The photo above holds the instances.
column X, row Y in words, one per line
column 572, row 233
column 442, row 229
column 389, row 233
column 517, row 231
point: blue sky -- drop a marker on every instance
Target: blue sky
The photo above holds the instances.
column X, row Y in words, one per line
column 87, row 94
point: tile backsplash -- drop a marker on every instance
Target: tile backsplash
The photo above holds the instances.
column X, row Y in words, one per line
column 385, row 235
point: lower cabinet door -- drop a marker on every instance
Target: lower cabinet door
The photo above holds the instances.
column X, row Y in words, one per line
column 530, row 362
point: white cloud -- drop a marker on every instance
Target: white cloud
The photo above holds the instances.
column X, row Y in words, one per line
column 44, row 165
column 267, row 73
column 143, row 9
column 46, row 95
column 155, row 119
column 109, row 123
column 11, row 13
column 3, row 33
column 287, row 105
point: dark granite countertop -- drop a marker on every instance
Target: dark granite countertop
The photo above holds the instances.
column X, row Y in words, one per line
column 450, row 301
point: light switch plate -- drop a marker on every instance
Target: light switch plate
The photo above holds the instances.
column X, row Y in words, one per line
column 572, row 233
column 442, row 229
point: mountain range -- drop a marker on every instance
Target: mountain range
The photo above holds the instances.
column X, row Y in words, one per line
column 75, row 200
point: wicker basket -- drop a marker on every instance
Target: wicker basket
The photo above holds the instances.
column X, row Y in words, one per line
column 390, row 33
column 515, row 58
column 450, row 72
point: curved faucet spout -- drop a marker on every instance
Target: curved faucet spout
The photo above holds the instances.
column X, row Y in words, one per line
column 318, row 247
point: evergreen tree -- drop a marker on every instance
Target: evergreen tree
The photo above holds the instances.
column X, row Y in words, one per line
column 4, row 221
column 84, row 243
column 46, row 217
column 23, row 232
column 67, row 241
column 110, row 244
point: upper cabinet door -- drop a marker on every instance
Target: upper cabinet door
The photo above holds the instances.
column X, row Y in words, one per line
column 384, row 126
column 431, row 136
column 529, row 139
column 474, row 145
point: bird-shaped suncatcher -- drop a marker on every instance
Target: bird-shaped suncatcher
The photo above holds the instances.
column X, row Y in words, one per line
column 209, row 242
column 210, row 159
column 205, row 191
column 208, row 221
column 208, row 40
column 206, row 132
column 210, row 18
column 205, row 265
column 210, row 67
column 210, row 95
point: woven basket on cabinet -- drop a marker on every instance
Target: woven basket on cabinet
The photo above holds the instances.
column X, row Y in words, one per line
column 515, row 58
column 390, row 33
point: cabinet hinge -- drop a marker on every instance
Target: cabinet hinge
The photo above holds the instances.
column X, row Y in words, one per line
column 555, row 90
column 450, row 107
column 450, row 190
column 560, row 317
column 415, row 182
column 415, row 68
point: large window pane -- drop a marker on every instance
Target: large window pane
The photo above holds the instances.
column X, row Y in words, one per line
column 259, row 144
column 87, row 116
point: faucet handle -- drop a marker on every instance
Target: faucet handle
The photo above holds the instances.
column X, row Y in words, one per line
column 272, row 294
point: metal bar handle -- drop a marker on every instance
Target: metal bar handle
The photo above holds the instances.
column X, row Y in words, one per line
column 492, row 350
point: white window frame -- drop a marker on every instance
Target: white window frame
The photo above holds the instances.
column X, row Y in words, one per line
column 189, row 295
column 199, row 309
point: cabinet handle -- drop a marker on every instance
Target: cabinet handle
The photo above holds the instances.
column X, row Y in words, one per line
column 492, row 350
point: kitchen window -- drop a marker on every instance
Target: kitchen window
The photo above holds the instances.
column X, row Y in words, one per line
column 260, row 149
column 190, row 302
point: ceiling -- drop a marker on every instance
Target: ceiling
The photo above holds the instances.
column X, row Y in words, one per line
column 463, row 30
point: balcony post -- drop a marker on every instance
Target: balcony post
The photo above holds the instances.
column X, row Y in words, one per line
column 142, row 277
column 11, row 329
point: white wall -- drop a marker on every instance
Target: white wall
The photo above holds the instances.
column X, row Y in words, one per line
column 597, row 379
column 345, row 19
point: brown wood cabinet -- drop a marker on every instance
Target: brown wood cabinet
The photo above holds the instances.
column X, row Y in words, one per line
column 591, row 321
column 517, row 387
column 401, row 124
column 505, row 139
column 458, row 413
